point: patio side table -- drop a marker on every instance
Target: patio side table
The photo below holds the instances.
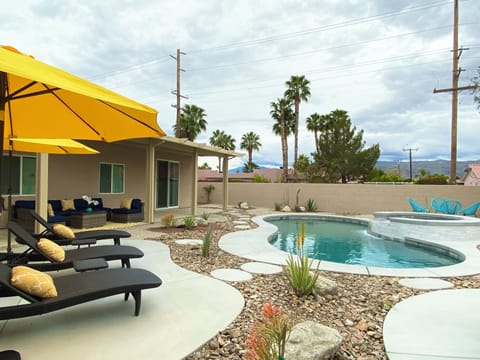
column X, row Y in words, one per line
column 81, row 220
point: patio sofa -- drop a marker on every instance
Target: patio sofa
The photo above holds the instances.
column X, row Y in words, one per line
column 21, row 211
column 132, row 213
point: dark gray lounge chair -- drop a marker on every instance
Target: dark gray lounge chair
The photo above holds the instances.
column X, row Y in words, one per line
column 49, row 233
column 37, row 259
column 10, row 355
column 78, row 288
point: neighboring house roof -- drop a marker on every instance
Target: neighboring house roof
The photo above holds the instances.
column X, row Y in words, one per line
column 472, row 174
column 212, row 175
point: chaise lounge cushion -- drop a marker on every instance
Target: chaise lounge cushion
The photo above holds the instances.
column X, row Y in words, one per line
column 51, row 249
column 63, row 231
column 33, row 282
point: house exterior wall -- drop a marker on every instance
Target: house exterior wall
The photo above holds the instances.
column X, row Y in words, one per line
column 471, row 181
column 72, row 176
column 340, row 198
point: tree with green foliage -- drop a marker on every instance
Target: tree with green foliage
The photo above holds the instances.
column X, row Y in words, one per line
column 192, row 122
column 250, row 142
column 248, row 168
column 222, row 140
column 205, row 166
column 284, row 124
column 297, row 91
column 476, row 88
column 316, row 123
column 341, row 152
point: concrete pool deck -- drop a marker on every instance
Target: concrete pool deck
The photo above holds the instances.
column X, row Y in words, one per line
column 253, row 244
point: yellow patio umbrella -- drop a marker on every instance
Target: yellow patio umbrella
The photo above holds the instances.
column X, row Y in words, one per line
column 49, row 146
column 41, row 101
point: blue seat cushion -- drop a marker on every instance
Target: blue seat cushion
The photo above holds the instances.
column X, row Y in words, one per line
column 57, row 219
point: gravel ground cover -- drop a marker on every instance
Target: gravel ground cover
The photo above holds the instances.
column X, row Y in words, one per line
column 357, row 311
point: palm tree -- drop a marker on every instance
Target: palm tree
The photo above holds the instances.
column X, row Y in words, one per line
column 297, row 91
column 282, row 113
column 222, row 140
column 314, row 123
column 250, row 142
column 192, row 122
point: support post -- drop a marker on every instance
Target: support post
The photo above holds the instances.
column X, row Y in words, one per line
column 225, row 182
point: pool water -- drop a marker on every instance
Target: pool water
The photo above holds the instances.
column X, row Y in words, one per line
column 350, row 243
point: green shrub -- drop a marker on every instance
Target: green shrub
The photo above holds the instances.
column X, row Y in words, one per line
column 207, row 241
column 311, row 205
column 189, row 221
column 437, row 179
column 277, row 206
column 208, row 189
column 205, row 216
column 260, row 179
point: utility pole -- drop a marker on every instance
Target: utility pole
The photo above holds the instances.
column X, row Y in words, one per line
column 177, row 92
column 410, row 157
column 454, row 90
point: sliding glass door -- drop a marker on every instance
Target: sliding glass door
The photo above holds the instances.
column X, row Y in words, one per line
column 167, row 184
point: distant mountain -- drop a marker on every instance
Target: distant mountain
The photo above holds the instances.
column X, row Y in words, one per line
column 432, row 166
column 239, row 169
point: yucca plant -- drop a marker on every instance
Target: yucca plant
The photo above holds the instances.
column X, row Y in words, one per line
column 168, row 220
column 298, row 270
column 207, row 241
column 189, row 221
column 311, row 205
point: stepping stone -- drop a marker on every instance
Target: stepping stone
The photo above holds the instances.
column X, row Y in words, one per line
column 239, row 222
column 245, row 218
column 231, row 275
column 261, row 268
column 242, row 227
column 189, row 242
column 425, row 283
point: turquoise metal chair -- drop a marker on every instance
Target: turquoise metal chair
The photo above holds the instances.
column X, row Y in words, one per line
column 470, row 210
column 446, row 206
column 416, row 206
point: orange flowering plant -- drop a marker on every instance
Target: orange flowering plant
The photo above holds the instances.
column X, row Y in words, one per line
column 268, row 337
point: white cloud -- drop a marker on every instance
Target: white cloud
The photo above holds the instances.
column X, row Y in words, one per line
column 379, row 60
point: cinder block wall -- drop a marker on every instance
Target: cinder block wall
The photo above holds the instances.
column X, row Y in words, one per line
column 339, row 198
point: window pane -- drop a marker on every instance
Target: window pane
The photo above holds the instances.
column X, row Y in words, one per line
column 173, row 184
column 117, row 177
column 12, row 162
column 105, row 178
column 28, row 175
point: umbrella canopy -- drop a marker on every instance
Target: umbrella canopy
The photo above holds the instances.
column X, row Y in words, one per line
column 49, row 146
column 42, row 101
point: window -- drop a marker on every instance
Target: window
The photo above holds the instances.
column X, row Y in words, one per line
column 23, row 169
column 111, row 178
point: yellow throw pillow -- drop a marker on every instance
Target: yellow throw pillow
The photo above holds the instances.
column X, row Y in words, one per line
column 50, row 210
column 63, row 231
column 126, row 204
column 33, row 282
column 51, row 249
column 67, row 204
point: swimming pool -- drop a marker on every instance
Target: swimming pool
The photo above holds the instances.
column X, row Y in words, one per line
column 348, row 241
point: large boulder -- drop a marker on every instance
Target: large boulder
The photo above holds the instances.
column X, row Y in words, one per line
column 286, row 208
column 325, row 286
column 312, row 341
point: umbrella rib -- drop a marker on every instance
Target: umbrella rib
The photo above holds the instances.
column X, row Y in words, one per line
column 128, row 115
column 15, row 96
column 70, row 108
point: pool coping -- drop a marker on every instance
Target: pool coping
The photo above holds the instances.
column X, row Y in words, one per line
column 253, row 244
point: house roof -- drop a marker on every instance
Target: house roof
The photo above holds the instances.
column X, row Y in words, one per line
column 213, row 175
column 473, row 170
column 185, row 145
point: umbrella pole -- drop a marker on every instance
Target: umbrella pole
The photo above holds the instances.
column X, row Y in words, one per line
column 3, row 93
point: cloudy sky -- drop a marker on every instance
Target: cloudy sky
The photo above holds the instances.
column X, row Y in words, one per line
column 377, row 59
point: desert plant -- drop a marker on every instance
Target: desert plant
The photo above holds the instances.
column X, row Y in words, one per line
column 207, row 241
column 267, row 337
column 208, row 189
column 297, row 200
column 168, row 220
column 205, row 216
column 298, row 270
column 311, row 206
column 277, row 206
column 189, row 221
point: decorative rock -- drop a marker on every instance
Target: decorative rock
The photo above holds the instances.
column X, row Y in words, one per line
column 301, row 209
column 311, row 340
column 197, row 242
column 286, row 208
column 325, row 286
column 243, row 205
column 239, row 222
column 242, row 227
